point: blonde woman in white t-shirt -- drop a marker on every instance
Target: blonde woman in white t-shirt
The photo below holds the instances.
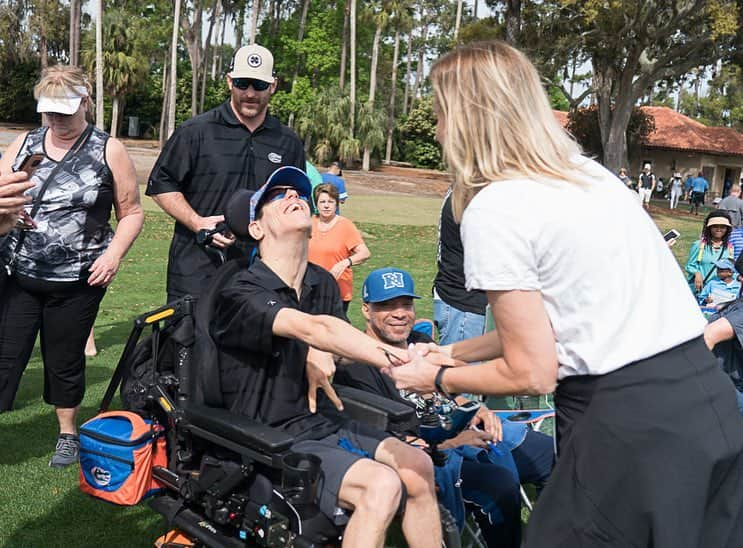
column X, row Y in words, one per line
column 589, row 302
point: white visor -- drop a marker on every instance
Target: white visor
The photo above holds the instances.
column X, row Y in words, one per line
column 62, row 104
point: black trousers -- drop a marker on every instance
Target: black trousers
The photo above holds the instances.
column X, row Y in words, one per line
column 649, row 455
column 63, row 312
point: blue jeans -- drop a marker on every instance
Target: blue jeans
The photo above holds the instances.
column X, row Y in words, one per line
column 739, row 401
column 456, row 325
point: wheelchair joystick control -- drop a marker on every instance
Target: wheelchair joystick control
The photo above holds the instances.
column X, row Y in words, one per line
column 300, row 477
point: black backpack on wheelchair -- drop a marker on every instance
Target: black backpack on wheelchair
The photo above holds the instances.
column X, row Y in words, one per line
column 230, row 481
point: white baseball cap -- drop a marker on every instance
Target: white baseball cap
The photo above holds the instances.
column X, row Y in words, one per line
column 62, row 104
column 253, row 61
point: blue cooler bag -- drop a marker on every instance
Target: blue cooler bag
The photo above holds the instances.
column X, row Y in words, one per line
column 118, row 450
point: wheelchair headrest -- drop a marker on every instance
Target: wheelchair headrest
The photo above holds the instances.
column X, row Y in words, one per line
column 237, row 213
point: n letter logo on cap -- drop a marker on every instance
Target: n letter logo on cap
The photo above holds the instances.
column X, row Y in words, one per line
column 393, row 279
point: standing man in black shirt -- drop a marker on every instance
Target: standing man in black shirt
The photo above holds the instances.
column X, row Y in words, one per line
column 236, row 145
column 282, row 315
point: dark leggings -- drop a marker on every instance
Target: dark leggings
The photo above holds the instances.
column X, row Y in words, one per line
column 63, row 312
column 484, row 484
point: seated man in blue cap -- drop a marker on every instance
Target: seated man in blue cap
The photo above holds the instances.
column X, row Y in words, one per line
column 487, row 476
column 281, row 313
column 723, row 288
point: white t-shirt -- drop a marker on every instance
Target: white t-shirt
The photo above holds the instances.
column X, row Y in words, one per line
column 612, row 289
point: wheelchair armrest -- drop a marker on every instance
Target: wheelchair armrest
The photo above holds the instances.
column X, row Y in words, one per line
column 238, row 429
column 377, row 411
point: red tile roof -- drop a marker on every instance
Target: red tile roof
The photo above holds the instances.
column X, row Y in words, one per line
column 678, row 132
column 675, row 131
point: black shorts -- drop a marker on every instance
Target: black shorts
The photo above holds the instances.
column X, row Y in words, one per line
column 649, row 455
column 697, row 198
column 336, row 461
column 63, row 312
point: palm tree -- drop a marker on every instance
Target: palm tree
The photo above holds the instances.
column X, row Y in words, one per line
column 381, row 20
column 123, row 68
column 344, row 45
column 254, row 20
column 352, row 24
column 192, row 36
column 173, row 70
column 74, row 53
column 99, row 65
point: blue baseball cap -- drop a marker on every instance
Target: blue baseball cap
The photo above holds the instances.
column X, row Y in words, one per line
column 725, row 264
column 284, row 176
column 385, row 284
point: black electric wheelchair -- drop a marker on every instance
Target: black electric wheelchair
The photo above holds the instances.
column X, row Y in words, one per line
column 230, row 481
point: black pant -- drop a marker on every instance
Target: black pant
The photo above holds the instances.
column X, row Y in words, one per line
column 64, row 312
column 648, row 455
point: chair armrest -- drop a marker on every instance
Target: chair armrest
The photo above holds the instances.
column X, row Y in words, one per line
column 377, row 411
column 238, row 429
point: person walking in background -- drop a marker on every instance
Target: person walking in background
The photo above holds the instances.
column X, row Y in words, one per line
column 334, row 177
column 336, row 244
column 677, row 189
column 646, row 185
column 62, row 268
column 236, row 145
column 612, row 347
column 699, row 186
column 734, row 207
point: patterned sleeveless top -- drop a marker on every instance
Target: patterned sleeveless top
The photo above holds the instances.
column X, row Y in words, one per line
column 73, row 220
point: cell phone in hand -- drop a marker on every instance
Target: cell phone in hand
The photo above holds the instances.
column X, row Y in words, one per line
column 671, row 235
column 30, row 163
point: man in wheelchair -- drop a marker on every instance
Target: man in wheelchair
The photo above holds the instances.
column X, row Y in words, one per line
column 279, row 322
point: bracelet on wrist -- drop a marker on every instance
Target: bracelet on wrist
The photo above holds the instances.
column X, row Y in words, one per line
column 439, row 379
column 350, row 262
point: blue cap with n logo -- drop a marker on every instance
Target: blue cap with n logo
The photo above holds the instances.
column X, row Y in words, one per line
column 385, row 284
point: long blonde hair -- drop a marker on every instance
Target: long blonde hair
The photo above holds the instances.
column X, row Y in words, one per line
column 498, row 121
column 56, row 79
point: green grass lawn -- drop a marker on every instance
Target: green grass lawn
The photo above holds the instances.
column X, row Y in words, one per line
column 42, row 507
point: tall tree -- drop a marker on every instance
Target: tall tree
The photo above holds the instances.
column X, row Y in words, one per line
column 255, row 11
column 99, row 64
column 352, row 26
column 173, row 73
column 632, row 45
column 380, row 19
column 74, row 53
column 344, row 44
column 191, row 26
column 393, row 97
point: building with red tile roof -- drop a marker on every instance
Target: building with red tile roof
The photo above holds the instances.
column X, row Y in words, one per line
column 680, row 144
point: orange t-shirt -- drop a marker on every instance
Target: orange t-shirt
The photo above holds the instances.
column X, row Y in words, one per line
column 335, row 245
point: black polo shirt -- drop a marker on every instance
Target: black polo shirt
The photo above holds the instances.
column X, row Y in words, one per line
column 449, row 282
column 207, row 159
column 263, row 375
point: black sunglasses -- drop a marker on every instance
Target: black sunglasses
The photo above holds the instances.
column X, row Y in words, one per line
column 279, row 193
column 245, row 83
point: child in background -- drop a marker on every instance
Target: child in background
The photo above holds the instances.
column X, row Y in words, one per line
column 722, row 289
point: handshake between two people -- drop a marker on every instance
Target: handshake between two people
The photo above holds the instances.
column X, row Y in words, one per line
column 414, row 369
